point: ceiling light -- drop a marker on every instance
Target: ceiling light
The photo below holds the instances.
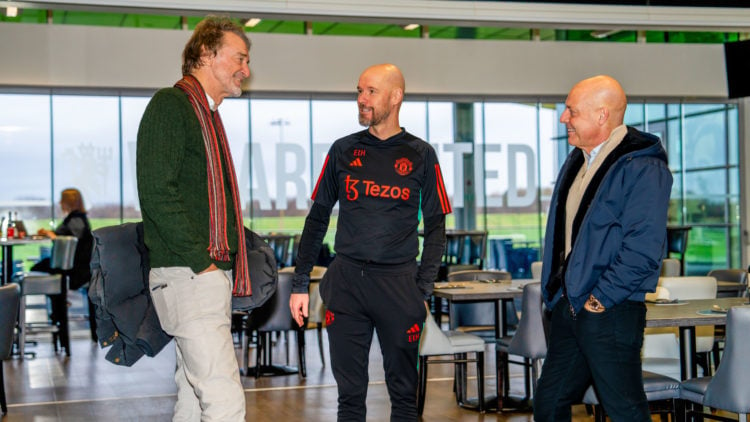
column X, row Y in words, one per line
column 11, row 11
column 411, row 26
column 599, row 35
column 250, row 23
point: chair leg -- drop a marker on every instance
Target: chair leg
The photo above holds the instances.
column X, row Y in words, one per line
column 22, row 327
column 716, row 352
column 527, row 374
column 501, row 363
column 259, row 353
column 421, row 384
column 245, row 351
column 302, row 363
column 320, row 343
column 3, row 403
column 599, row 415
column 480, row 381
column 536, row 367
column 285, row 334
column 460, row 378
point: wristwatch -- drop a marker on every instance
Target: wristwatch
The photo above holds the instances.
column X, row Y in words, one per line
column 594, row 304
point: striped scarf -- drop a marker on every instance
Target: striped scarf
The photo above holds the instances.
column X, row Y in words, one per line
column 217, row 148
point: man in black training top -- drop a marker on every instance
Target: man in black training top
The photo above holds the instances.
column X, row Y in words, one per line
column 381, row 177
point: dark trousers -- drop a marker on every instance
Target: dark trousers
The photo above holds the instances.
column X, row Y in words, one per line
column 603, row 349
column 361, row 298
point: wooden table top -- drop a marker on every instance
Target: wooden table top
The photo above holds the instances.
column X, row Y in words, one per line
column 480, row 290
column 685, row 314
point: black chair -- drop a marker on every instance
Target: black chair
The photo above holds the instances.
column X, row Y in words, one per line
column 282, row 247
column 316, row 307
column 677, row 241
column 274, row 317
column 735, row 275
column 10, row 297
column 467, row 247
column 41, row 283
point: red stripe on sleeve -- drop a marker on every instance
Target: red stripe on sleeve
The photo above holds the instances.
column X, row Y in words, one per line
column 442, row 194
column 320, row 177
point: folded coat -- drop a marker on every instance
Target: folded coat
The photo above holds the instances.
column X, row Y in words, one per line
column 126, row 318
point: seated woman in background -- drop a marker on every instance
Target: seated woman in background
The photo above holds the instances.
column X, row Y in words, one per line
column 75, row 224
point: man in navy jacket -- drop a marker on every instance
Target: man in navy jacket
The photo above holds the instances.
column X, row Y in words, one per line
column 604, row 244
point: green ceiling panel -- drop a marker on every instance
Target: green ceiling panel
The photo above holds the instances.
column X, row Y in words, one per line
column 364, row 29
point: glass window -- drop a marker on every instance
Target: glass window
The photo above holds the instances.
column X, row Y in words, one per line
column 131, row 111
column 440, row 135
column 280, row 152
column 235, row 116
column 87, row 153
column 25, row 174
column 705, row 137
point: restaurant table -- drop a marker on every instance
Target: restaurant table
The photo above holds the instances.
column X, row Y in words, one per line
column 7, row 245
column 686, row 316
column 500, row 293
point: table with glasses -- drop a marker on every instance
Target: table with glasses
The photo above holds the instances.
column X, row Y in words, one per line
column 686, row 316
column 7, row 251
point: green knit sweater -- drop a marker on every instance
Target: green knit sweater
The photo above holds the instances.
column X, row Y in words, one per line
column 173, row 185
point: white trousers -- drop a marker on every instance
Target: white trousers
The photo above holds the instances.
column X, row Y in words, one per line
column 197, row 310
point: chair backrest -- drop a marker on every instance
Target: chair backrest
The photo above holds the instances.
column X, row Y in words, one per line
column 454, row 268
column 316, row 308
column 729, row 390
column 281, row 245
column 472, row 275
column 530, row 339
column 63, row 252
column 677, row 239
column 536, row 270
column 477, row 242
column 275, row 314
column 689, row 287
column 670, row 267
column 453, row 250
column 737, row 275
column 433, row 341
column 9, row 299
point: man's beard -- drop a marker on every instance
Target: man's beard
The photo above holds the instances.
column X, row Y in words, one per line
column 376, row 118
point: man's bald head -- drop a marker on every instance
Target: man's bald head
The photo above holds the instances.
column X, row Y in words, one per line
column 605, row 91
column 594, row 107
column 387, row 73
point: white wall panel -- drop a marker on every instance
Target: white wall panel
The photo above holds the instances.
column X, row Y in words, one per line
column 78, row 56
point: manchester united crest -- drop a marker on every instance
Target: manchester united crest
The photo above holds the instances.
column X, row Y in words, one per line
column 403, row 166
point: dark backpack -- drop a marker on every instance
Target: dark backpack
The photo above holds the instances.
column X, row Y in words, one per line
column 264, row 275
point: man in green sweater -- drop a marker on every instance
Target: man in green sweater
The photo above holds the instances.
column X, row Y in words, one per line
column 192, row 220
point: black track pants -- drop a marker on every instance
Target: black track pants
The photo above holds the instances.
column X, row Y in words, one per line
column 359, row 297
